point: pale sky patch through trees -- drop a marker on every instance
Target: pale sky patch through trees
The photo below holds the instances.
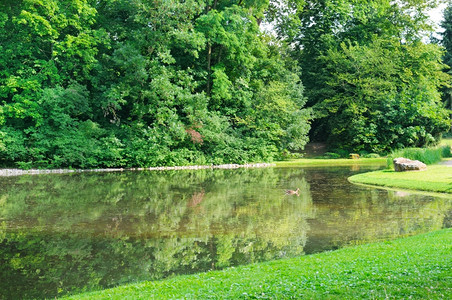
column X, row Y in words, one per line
column 437, row 14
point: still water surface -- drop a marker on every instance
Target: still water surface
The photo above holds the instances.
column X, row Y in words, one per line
column 70, row 233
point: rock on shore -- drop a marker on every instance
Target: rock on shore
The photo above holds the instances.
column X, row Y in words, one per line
column 402, row 164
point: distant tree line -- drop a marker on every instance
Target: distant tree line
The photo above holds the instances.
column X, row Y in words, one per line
column 103, row 83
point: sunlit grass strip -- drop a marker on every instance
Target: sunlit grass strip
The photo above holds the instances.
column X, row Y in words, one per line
column 308, row 162
column 447, row 142
column 437, row 178
column 414, row 267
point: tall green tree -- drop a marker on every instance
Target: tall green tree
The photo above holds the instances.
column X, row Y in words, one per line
column 446, row 24
column 446, row 42
column 201, row 67
column 356, row 58
column 384, row 95
column 138, row 83
column 48, row 53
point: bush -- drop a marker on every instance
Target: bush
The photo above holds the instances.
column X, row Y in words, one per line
column 331, row 155
column 446, row 151
column 426, row 155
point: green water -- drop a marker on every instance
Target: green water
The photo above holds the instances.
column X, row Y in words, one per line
column 70, row 233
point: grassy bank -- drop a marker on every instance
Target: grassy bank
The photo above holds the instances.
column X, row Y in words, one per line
column 313, row 162
column 426, row 155
column 437, row 178
column 446, row 141
column 414, row 267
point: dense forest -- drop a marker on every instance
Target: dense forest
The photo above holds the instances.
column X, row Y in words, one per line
column 123, row 83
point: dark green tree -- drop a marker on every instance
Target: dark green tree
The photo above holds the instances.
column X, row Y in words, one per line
column 201, row 67
column 48, row 53
column 356, row 57
column 446, row 42
column 384, row 95
column 139, row 83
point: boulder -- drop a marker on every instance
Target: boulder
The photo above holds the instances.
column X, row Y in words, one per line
column 402, row 164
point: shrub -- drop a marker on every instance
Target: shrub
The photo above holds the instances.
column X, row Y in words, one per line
column 332, row 155
column 446, row 151
column 426, row 155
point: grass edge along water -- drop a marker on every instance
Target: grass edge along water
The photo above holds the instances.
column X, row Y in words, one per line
column 411, row 267
column 437, row 178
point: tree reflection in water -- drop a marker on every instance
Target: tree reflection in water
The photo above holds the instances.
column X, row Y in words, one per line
column 75, row 232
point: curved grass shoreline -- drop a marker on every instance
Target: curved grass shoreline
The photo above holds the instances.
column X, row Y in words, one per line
column 437, row 178
column 411, row 267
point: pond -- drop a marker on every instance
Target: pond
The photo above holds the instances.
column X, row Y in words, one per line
column 70, row 233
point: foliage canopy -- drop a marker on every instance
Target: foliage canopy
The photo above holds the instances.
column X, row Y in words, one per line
column 372, row 81
column 108, row 83
column 138, row 83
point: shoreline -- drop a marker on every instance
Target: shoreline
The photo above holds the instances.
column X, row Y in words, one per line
column 415, row 266
column 19, row 172
column 432, row 180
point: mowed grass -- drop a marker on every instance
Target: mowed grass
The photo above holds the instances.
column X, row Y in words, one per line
column 313, row 162
column 416, row 267
column 447, row 141
column 437, row 178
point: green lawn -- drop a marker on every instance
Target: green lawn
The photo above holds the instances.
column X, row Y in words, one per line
column 437, row 178
column 416, row 267
column 447, row 141
column 308, row 162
